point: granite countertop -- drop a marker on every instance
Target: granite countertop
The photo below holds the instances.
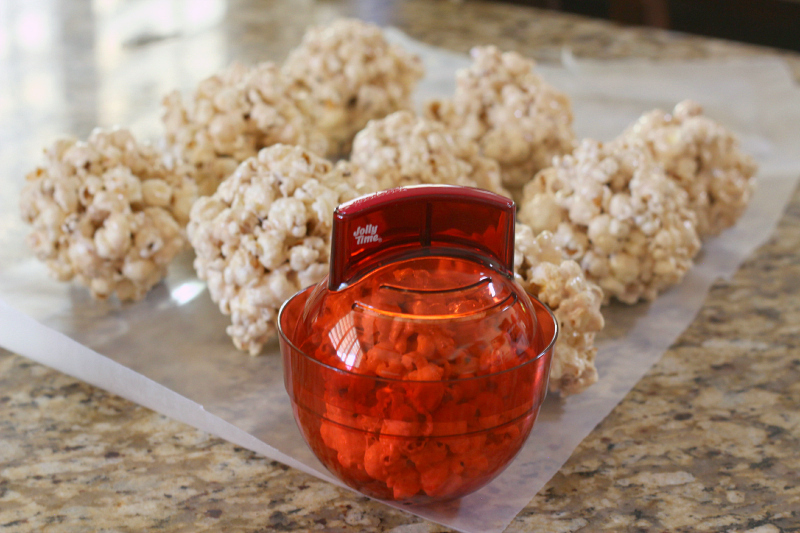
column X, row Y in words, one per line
column 707, row 441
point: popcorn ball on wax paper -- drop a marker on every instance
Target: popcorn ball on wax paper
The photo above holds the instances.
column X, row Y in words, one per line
column 231, row 116
column 541, row 269
column 108, row 211
column 347, row 73
column 515, row 116
column 612, row 209
column 702, row 157
column 403, row 149
column 265, row 234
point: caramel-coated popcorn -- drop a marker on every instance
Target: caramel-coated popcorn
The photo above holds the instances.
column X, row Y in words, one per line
column 575, row 301
column 346, row 74
column 403, row 149
column 109, row 212
column 515, row 116
column 265, row 234
column 611, row 208
column 702, row 157
column 231, row 116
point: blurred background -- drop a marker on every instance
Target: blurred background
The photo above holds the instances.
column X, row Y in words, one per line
column 766, row 22
column 69, row 65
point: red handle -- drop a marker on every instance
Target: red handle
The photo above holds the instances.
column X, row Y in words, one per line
column 369, row 231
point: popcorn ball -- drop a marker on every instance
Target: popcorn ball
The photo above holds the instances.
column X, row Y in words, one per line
column 516, row 118
column 611, row 208
column 349, row 74
column 703, row 158
column 231, row 116
column 109, row 212
column 575, row 301
column 403, row 149
column 265, row 234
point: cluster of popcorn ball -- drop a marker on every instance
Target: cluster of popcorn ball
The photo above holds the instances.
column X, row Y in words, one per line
column 339, row 78
column 265, row 234
column 612, row 208
column 516, row 117
column 596, row 221
column 704, row 159
column 575, row 301
column 347, row 74
column 109, row 212
column 231, row 116
column 403, row 149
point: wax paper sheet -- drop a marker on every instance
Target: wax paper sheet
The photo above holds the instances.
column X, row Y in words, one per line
column 170, row 352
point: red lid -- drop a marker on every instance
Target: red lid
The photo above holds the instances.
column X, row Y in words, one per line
column 373, row 230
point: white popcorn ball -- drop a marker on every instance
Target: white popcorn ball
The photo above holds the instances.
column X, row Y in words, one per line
column 346, row 74
column 403, row 149
column 231, row 116
column 704, row 159
column 265, row 234
column 560, row 283
column 515, row 116
column 612, row 209
column 109, row 212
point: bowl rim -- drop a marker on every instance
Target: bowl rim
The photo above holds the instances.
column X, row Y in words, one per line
column 545, row 350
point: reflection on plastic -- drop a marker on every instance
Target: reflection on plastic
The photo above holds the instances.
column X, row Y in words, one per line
column 186, row 292
column 344, row 339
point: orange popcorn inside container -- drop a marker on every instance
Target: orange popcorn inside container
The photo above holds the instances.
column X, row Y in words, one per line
column 417, row 368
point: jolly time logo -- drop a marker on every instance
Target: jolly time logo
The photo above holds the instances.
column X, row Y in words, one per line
column 367, row 234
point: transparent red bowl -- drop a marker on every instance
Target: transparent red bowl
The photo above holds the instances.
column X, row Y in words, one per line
column 416, row 369
column 417, row 440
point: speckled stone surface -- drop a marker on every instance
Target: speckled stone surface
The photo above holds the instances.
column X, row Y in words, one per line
column 709, row 440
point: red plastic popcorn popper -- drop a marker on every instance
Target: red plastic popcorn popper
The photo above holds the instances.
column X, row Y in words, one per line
column 416, row 369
